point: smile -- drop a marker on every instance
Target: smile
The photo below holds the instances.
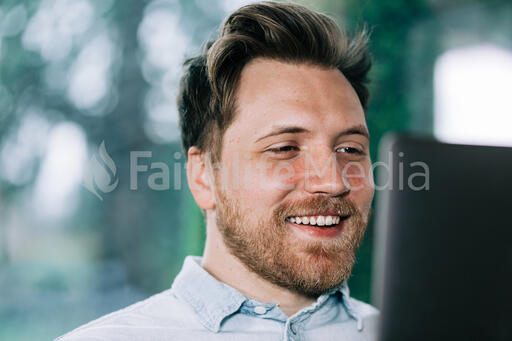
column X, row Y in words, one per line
column 319, row 220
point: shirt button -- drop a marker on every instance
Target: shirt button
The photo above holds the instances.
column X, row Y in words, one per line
column 260, row 310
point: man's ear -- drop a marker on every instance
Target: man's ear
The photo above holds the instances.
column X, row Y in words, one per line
column 199, row 180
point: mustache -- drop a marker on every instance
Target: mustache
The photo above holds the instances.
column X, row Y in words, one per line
column 311, row 206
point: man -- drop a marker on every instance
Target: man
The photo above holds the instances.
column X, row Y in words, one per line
column 273, row 122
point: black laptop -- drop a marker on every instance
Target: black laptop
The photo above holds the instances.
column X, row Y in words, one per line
column 443, row 260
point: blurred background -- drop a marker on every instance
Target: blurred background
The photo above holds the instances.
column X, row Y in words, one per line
column 85, row 82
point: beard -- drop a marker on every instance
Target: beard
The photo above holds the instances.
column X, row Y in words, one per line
column 269, row 248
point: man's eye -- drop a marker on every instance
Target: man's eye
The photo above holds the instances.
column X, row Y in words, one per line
column 349, row 150
column 284, row 149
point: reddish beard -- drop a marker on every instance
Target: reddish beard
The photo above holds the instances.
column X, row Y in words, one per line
column 270, row 249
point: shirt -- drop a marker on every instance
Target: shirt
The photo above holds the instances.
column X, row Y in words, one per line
column 199, row 307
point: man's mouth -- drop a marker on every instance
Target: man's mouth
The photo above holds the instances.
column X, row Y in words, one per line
column 317, row 220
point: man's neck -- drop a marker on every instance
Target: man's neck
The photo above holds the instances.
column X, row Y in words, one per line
column 228, row 269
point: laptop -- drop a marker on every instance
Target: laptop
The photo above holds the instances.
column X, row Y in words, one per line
column 443, row 257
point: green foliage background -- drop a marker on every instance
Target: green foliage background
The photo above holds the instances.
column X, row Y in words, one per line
column 59, row 272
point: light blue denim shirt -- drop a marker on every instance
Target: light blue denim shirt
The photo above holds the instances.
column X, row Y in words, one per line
column 199, row 307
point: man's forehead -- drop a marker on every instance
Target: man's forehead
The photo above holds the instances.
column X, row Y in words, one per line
column 268, row 74
column 273, row 94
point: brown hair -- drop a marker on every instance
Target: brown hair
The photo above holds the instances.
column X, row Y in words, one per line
column 282, row 31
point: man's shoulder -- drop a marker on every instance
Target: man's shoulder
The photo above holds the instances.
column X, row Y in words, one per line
column 160, row 313
column 363, row 309
column 367, row 318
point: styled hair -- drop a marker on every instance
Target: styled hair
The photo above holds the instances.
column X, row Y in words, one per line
column 274, row 30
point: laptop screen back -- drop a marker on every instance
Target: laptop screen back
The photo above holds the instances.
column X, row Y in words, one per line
column 444, row 241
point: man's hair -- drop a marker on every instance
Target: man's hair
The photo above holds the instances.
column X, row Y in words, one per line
column 279, row 31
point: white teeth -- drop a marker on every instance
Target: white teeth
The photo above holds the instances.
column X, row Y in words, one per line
column 315, row 220
column 320, row 221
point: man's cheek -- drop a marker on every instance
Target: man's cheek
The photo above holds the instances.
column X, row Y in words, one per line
column 356, row 176
column 283, row 176
column 276, row 174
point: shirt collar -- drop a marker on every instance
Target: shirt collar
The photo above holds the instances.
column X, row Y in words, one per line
column 213, row 300
column 345, row 294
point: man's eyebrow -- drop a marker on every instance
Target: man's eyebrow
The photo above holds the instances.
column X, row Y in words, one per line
column 356, row 130
column 279, row 130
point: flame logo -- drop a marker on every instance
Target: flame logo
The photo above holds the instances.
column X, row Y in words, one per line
column 97, row 176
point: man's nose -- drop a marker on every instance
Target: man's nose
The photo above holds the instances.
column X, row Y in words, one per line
column 323, row 174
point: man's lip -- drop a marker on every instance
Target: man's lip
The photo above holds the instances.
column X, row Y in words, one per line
column 342, row 218
column 331, row 213
column 318, row 231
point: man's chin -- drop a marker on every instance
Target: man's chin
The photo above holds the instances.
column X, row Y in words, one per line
column 312, row 274
column 315, row 250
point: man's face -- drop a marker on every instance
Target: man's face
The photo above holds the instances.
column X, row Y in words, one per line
column 297, row 148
